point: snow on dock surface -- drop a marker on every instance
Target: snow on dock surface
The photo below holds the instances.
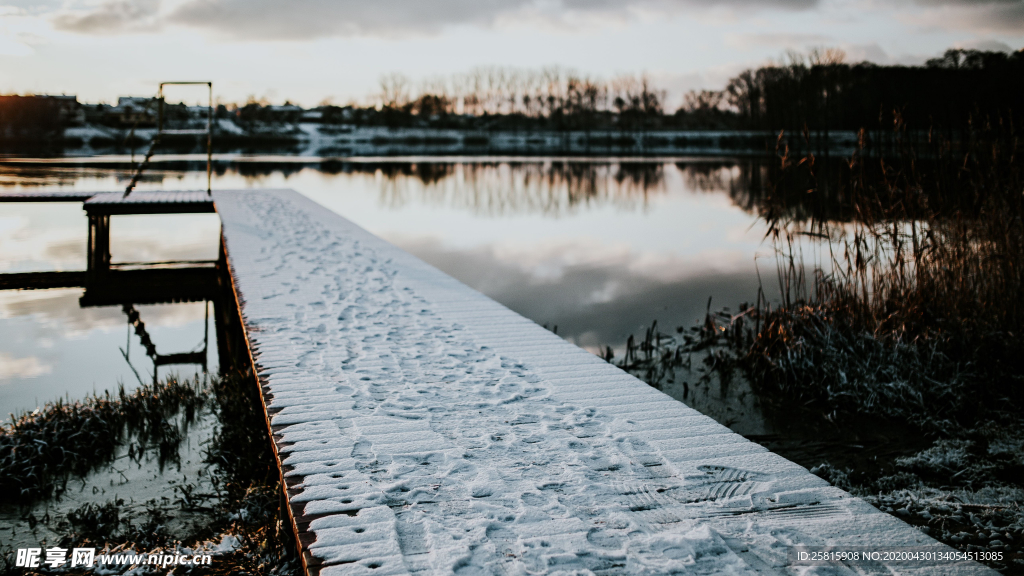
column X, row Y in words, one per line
column 424, row 428
column 150, row 202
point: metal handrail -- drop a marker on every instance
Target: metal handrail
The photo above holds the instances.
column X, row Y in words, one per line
column 160, row 132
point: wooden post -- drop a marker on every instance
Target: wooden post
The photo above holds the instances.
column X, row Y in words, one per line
column 209, row 142
column 98, row 257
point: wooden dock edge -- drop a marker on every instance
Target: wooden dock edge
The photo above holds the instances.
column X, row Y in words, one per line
column 294, row 531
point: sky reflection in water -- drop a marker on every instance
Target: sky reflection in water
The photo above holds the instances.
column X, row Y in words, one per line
column 600, row 250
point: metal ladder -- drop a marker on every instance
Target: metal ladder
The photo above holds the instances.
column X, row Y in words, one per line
column 193, row 357
column 161, row 132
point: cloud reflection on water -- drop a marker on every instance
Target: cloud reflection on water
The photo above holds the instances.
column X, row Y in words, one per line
column 50, row 347
column 26, row 367
column 594, row 302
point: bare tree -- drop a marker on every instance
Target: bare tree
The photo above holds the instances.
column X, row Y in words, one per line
column 703, row 101
column 394, row 90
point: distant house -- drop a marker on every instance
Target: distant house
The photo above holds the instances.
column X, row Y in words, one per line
column 312, row 116
column 283, row 113
column 336, row 115
column 69, row 111
column 133, row 111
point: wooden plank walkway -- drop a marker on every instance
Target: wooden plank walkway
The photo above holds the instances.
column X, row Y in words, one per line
column 46, row 196
column 424, row 428
column 113, row 203
column 147, row 202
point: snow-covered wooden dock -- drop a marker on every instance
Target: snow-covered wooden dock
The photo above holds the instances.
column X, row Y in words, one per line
column 424, row 428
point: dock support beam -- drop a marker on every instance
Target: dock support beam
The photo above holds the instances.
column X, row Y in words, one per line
column 98, row 257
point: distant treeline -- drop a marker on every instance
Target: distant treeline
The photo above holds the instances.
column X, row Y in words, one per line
column 826, row 93
column 509, row 98
column 818, row 92
column 29, row 121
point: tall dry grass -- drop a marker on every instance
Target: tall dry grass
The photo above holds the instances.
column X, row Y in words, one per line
column 901, row 278
column 912, row 307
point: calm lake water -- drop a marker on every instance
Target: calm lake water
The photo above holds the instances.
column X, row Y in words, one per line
column 597, row 249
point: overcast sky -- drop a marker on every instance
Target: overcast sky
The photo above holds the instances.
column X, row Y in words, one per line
column 311, row 50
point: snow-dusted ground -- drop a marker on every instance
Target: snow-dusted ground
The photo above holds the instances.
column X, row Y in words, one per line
column 424, row 428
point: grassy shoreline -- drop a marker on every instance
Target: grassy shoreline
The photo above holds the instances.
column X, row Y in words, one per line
column 233, row 510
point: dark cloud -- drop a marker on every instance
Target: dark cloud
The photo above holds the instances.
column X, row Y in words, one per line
column 1006, row 17
column 316, row 18
column 305, row 19
column 669, row 4
column 989, row 46
column 115, row 16
column 983, row 15
column 968, row 3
